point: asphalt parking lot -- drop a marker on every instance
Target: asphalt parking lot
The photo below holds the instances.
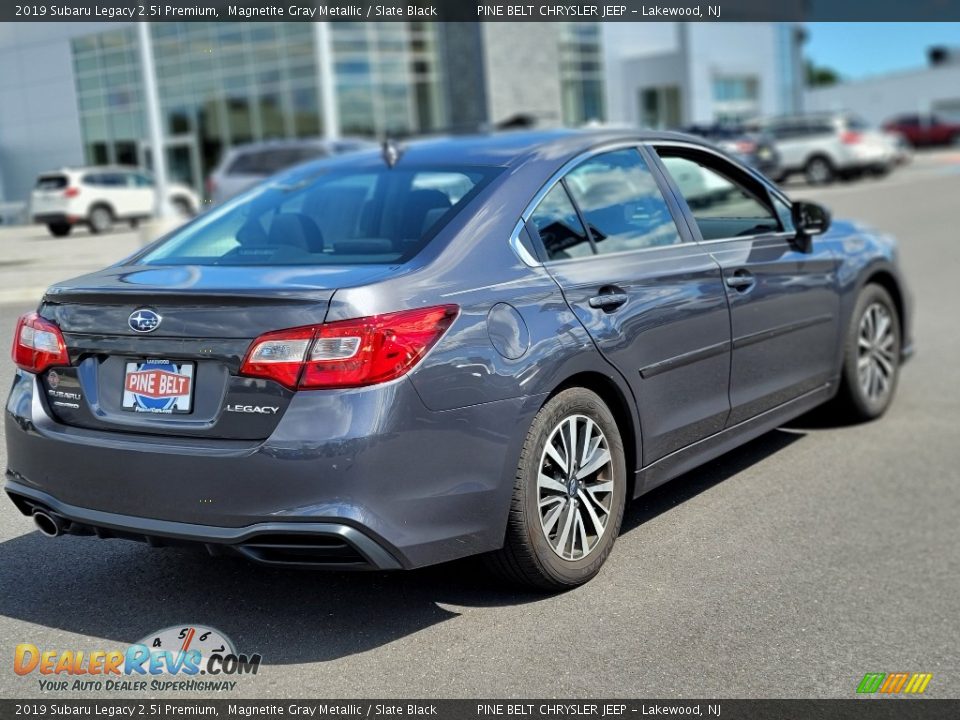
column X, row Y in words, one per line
column 787, row 568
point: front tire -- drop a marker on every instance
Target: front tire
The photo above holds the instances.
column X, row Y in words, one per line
column 871, row 363
column 59, row 229
column 567, row 506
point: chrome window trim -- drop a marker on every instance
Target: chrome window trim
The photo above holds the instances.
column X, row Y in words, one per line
column 560, row 174
column 720, row 154
column 526, row 257
column 570, row 165
column 770, row 187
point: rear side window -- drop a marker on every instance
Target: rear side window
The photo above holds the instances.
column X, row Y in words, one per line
column 621, row 203
column 107, row 179
column 328, row 217
column 560, row 229
column 51, row 182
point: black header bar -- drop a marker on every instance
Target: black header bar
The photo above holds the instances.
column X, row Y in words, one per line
column 474, row 11
column 160, row 709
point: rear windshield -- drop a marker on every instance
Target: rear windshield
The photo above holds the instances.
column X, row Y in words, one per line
column 51, row 182
column 327, row 217
column 268, row 162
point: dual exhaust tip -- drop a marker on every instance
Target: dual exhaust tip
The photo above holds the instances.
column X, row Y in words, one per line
column 48, row 524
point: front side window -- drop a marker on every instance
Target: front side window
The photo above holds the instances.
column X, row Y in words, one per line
column 621, row 203
column 723, row 204
column 313, row 216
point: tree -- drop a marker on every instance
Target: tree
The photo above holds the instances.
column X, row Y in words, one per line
column 820, row 76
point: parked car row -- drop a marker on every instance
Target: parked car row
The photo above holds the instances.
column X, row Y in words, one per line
column 821, row 147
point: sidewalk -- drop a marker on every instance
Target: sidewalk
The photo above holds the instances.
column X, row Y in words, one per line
column 31, row 259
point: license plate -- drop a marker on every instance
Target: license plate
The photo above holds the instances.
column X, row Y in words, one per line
column 158, row 386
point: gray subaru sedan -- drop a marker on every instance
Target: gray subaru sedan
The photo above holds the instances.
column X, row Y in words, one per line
column 448, row 347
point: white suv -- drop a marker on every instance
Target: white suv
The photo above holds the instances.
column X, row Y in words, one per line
column 828, row 146
column 99, row 196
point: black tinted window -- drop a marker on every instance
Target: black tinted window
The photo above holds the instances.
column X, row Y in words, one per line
column 621, row 203
column 561, row 231
column 327, row 217
column 51, row 182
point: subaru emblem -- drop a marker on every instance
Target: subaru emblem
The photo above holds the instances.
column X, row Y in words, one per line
column 144, row 321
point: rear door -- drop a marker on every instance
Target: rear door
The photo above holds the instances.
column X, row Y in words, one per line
column 650, row 297
column 784, row 302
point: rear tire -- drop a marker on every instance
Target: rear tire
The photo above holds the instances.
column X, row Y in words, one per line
column 564, row 520
column 819, row 171
column 59, row 229
column 100, row 220
column 871, row 360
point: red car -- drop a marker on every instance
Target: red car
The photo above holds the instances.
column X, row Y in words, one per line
column 924, row 129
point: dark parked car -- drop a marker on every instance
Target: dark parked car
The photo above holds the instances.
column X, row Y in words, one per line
column 756, row 149
column 920, row 130
column 475, row 345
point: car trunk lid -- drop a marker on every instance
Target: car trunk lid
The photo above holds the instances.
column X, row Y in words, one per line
column 180, row 377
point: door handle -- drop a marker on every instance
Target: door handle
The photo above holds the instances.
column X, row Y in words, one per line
column 741, row 280
column 608, row 301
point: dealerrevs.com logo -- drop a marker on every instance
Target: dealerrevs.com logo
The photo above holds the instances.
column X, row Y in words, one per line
column 190, row 658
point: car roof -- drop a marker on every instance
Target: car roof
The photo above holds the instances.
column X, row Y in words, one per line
column 503, row 149
column 97, row 168
column 278, row 143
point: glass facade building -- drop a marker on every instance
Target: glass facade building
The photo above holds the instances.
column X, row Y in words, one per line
column 222, row 84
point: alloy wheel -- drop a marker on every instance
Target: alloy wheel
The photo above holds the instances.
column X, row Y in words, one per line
column 575, row 487
column 876, row 353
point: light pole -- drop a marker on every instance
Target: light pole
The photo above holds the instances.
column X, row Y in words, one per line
column 328, row 90
column 158, row 153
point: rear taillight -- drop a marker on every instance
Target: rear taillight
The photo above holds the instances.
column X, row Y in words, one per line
column 38, row 344
column 348, row 353
column 851, row 137
column 745, row 147
column 71, row 192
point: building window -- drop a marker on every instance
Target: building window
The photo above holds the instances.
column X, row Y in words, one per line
column 581, row 73
column 735, row 97
column 660, row 107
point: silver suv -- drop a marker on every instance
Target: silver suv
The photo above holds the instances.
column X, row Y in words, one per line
column 828, row 146
column 244, row 166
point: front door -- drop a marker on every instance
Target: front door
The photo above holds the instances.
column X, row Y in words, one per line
column 784, row 302
column 650, row 297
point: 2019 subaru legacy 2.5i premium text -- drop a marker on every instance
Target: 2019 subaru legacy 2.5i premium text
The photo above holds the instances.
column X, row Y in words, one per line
column 470, row 345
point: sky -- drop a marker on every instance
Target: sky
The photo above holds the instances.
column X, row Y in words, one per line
column 857, row 50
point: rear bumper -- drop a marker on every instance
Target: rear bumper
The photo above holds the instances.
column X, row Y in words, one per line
column 55, row 219
column 423, row 486
column 322, row 545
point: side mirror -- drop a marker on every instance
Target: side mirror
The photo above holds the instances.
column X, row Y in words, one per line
column 810, row 219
